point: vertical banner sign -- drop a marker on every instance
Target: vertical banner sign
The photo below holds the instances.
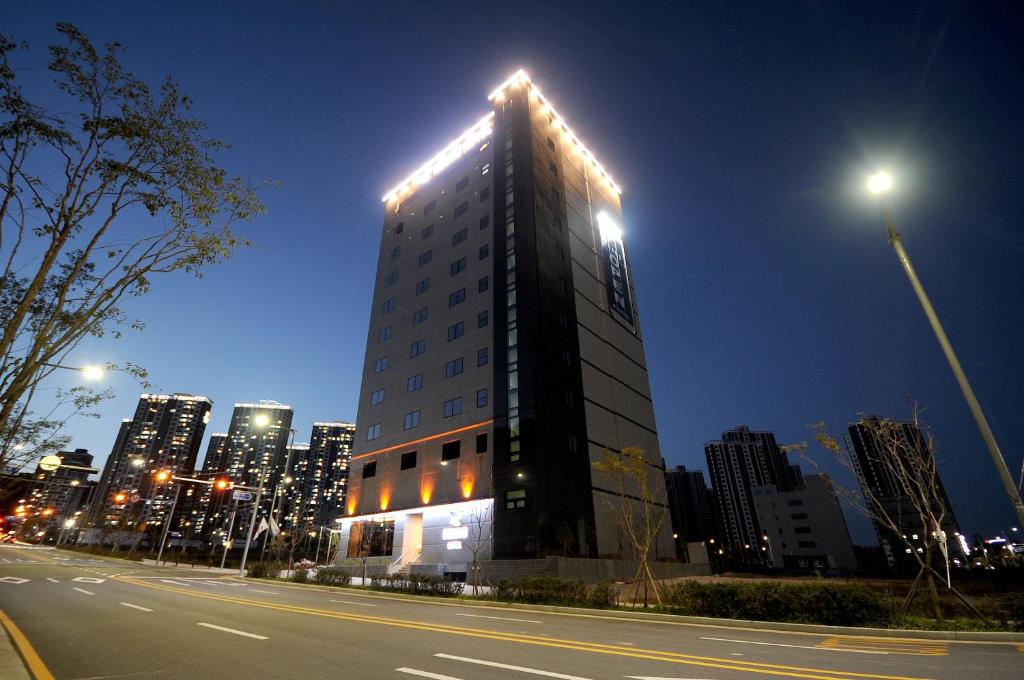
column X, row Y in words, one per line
column 620, row 299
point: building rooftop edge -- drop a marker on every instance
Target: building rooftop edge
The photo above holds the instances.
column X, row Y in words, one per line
column 483, row 128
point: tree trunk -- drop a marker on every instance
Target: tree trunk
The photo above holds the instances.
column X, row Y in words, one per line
column 933, row 592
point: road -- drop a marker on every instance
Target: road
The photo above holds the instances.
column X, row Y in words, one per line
column 92, row 618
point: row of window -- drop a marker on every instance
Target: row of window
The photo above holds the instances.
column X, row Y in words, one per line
column 450, row 408
column 418, row 347
column 449, row 451
column 451, row 369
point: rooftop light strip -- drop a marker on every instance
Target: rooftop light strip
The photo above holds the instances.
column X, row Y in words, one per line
column 455, row 150
column 520, row 77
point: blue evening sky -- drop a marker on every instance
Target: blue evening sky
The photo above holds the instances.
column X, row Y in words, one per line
column 739, row 133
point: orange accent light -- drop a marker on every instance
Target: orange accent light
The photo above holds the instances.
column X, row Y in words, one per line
column 424, row 439
column 163, row 476
column 120, row 498
column 467, row 486
column 426, row 490
column 221, row 484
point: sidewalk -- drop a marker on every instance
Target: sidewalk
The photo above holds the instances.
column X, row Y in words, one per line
column 183, row 565
column 12, row 667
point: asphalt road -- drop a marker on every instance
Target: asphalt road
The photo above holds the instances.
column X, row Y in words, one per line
column 92, row 618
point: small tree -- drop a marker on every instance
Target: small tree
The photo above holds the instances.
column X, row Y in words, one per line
column 114, row 186
column 909, row 462
column 638, row 509
column 477, row 540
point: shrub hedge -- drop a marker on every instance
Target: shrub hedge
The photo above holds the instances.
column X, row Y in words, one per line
column 820, row 603
column 554, row 591
column 262, row 570
column 300, row 575
column 418, row 584
column 332, row 576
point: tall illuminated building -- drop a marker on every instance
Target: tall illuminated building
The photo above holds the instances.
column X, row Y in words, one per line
column 504, row 351
column 164, row 434
column 205, row 506
column 320, row 475
column 257, row 439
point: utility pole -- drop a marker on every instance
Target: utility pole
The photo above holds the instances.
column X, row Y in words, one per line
column 252, row 522
column 167, row 525
column 231, row 525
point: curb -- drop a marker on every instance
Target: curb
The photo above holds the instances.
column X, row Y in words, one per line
column 680, row 620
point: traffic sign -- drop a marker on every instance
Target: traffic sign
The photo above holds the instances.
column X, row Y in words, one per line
column 241, row 495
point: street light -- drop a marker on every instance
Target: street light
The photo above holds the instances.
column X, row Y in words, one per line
column 881, row 183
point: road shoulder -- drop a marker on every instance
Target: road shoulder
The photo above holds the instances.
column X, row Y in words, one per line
column 17, row 655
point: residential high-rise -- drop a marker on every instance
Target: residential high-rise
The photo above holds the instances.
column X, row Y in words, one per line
column 258, row 439
column 320, row 472
column 691, row 505
column 164, row 434
column 878, row 482
column 737, row 463
column 504, row 352
column 60, row 493
column 206, row 506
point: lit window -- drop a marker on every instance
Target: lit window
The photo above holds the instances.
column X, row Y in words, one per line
column 485, row 169
column 515, row 499
column 373, row 432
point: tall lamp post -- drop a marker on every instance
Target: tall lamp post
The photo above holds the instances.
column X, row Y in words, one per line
column 880, row 184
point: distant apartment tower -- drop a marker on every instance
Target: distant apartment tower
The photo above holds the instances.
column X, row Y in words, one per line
column 164, row 434
column 504, row 351
column 691, row 505
column 320, row 472
column 737, row 463
column 876, row 480
column 205, row 505
column 62, row 492
column 257, row 439
column 805, row 527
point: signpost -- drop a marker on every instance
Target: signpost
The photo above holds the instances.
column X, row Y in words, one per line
column 241, row 495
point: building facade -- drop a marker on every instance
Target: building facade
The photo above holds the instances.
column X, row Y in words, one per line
column 504, row 353
column 805, row 527
column 320, row 475
column 58, row 496
column 741, row 460
column 883, row 492
column 204, row 506
column 164, row 435
column 691, row 505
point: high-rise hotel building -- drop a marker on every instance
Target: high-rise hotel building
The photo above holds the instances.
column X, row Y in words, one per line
column 504, row 352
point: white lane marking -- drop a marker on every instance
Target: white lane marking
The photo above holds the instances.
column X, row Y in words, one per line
column 177, row 583
column 266, row 592
column 5, row 560
column 426, row 674
column 83, row 590
column 232, row 630
column 628, row 644
column 521, row 669
column 780, row 644
column 14, row 580
column 358, row 604
column 89, row 579
column 52, row 580
column 134, row 606
column 499, row 618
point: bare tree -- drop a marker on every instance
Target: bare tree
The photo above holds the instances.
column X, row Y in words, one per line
column 478, row 539
column 638, row 509
column 117, row 186
column 906, row 456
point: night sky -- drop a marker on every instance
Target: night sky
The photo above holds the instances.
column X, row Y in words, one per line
column 740, row 133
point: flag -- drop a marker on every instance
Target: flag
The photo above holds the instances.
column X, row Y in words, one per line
column 274, row 529
column 261, row 527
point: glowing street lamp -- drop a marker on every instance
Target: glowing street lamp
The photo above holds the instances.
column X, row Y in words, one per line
column 261, row 420
column 879, row 184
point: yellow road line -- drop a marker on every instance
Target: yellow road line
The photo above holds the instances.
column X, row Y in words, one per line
column 598, row 648
column 28, row 652
column 919, row 648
